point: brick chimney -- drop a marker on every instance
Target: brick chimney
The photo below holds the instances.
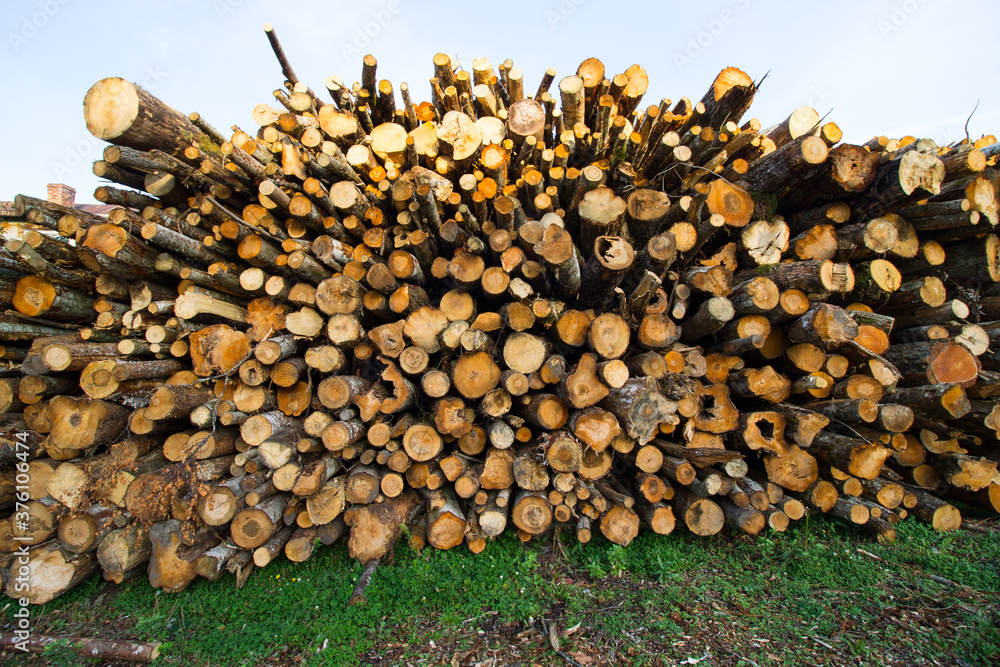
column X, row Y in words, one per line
column 61, row 194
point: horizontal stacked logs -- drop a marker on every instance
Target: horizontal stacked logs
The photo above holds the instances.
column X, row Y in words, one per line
column 484, row 312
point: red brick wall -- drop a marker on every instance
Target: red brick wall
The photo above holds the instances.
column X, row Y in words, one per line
column 61, row 194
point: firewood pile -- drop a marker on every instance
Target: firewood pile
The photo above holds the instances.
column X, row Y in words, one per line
column 506, row 308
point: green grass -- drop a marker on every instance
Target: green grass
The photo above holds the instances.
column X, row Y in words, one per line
column 822, row 593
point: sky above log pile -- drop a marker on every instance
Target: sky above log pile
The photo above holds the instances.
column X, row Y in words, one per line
column 883, row 67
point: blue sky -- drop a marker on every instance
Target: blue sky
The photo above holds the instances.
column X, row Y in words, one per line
column 883, row 67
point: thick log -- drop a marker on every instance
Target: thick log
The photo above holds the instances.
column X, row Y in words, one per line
column 446, row 524
column 167, row 569
column 254, row 526
column 125, row 114
column 934, row 362
column 702, row 516
column 38, row 297
column 945, row 401
column 858, row 457
column 795, row 470
column 81, row 423
column 375, row 528
column 942, row 516
column 639, row 408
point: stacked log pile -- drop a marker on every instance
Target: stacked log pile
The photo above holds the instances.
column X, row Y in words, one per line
column 500, row 309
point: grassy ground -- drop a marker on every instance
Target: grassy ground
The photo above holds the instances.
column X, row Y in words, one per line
column 820, row 594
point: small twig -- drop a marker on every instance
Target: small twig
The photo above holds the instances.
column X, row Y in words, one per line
column 13, row 314
column 557, row 543
column 821, row 642
column 564, row 656
column 978, row 529
column 941, row 580
column 279, row 53
column 967, row 120
column 757, row 85
column 358, row 596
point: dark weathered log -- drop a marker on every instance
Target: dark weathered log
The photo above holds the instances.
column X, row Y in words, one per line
column 946, row 401
column 782, row 167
